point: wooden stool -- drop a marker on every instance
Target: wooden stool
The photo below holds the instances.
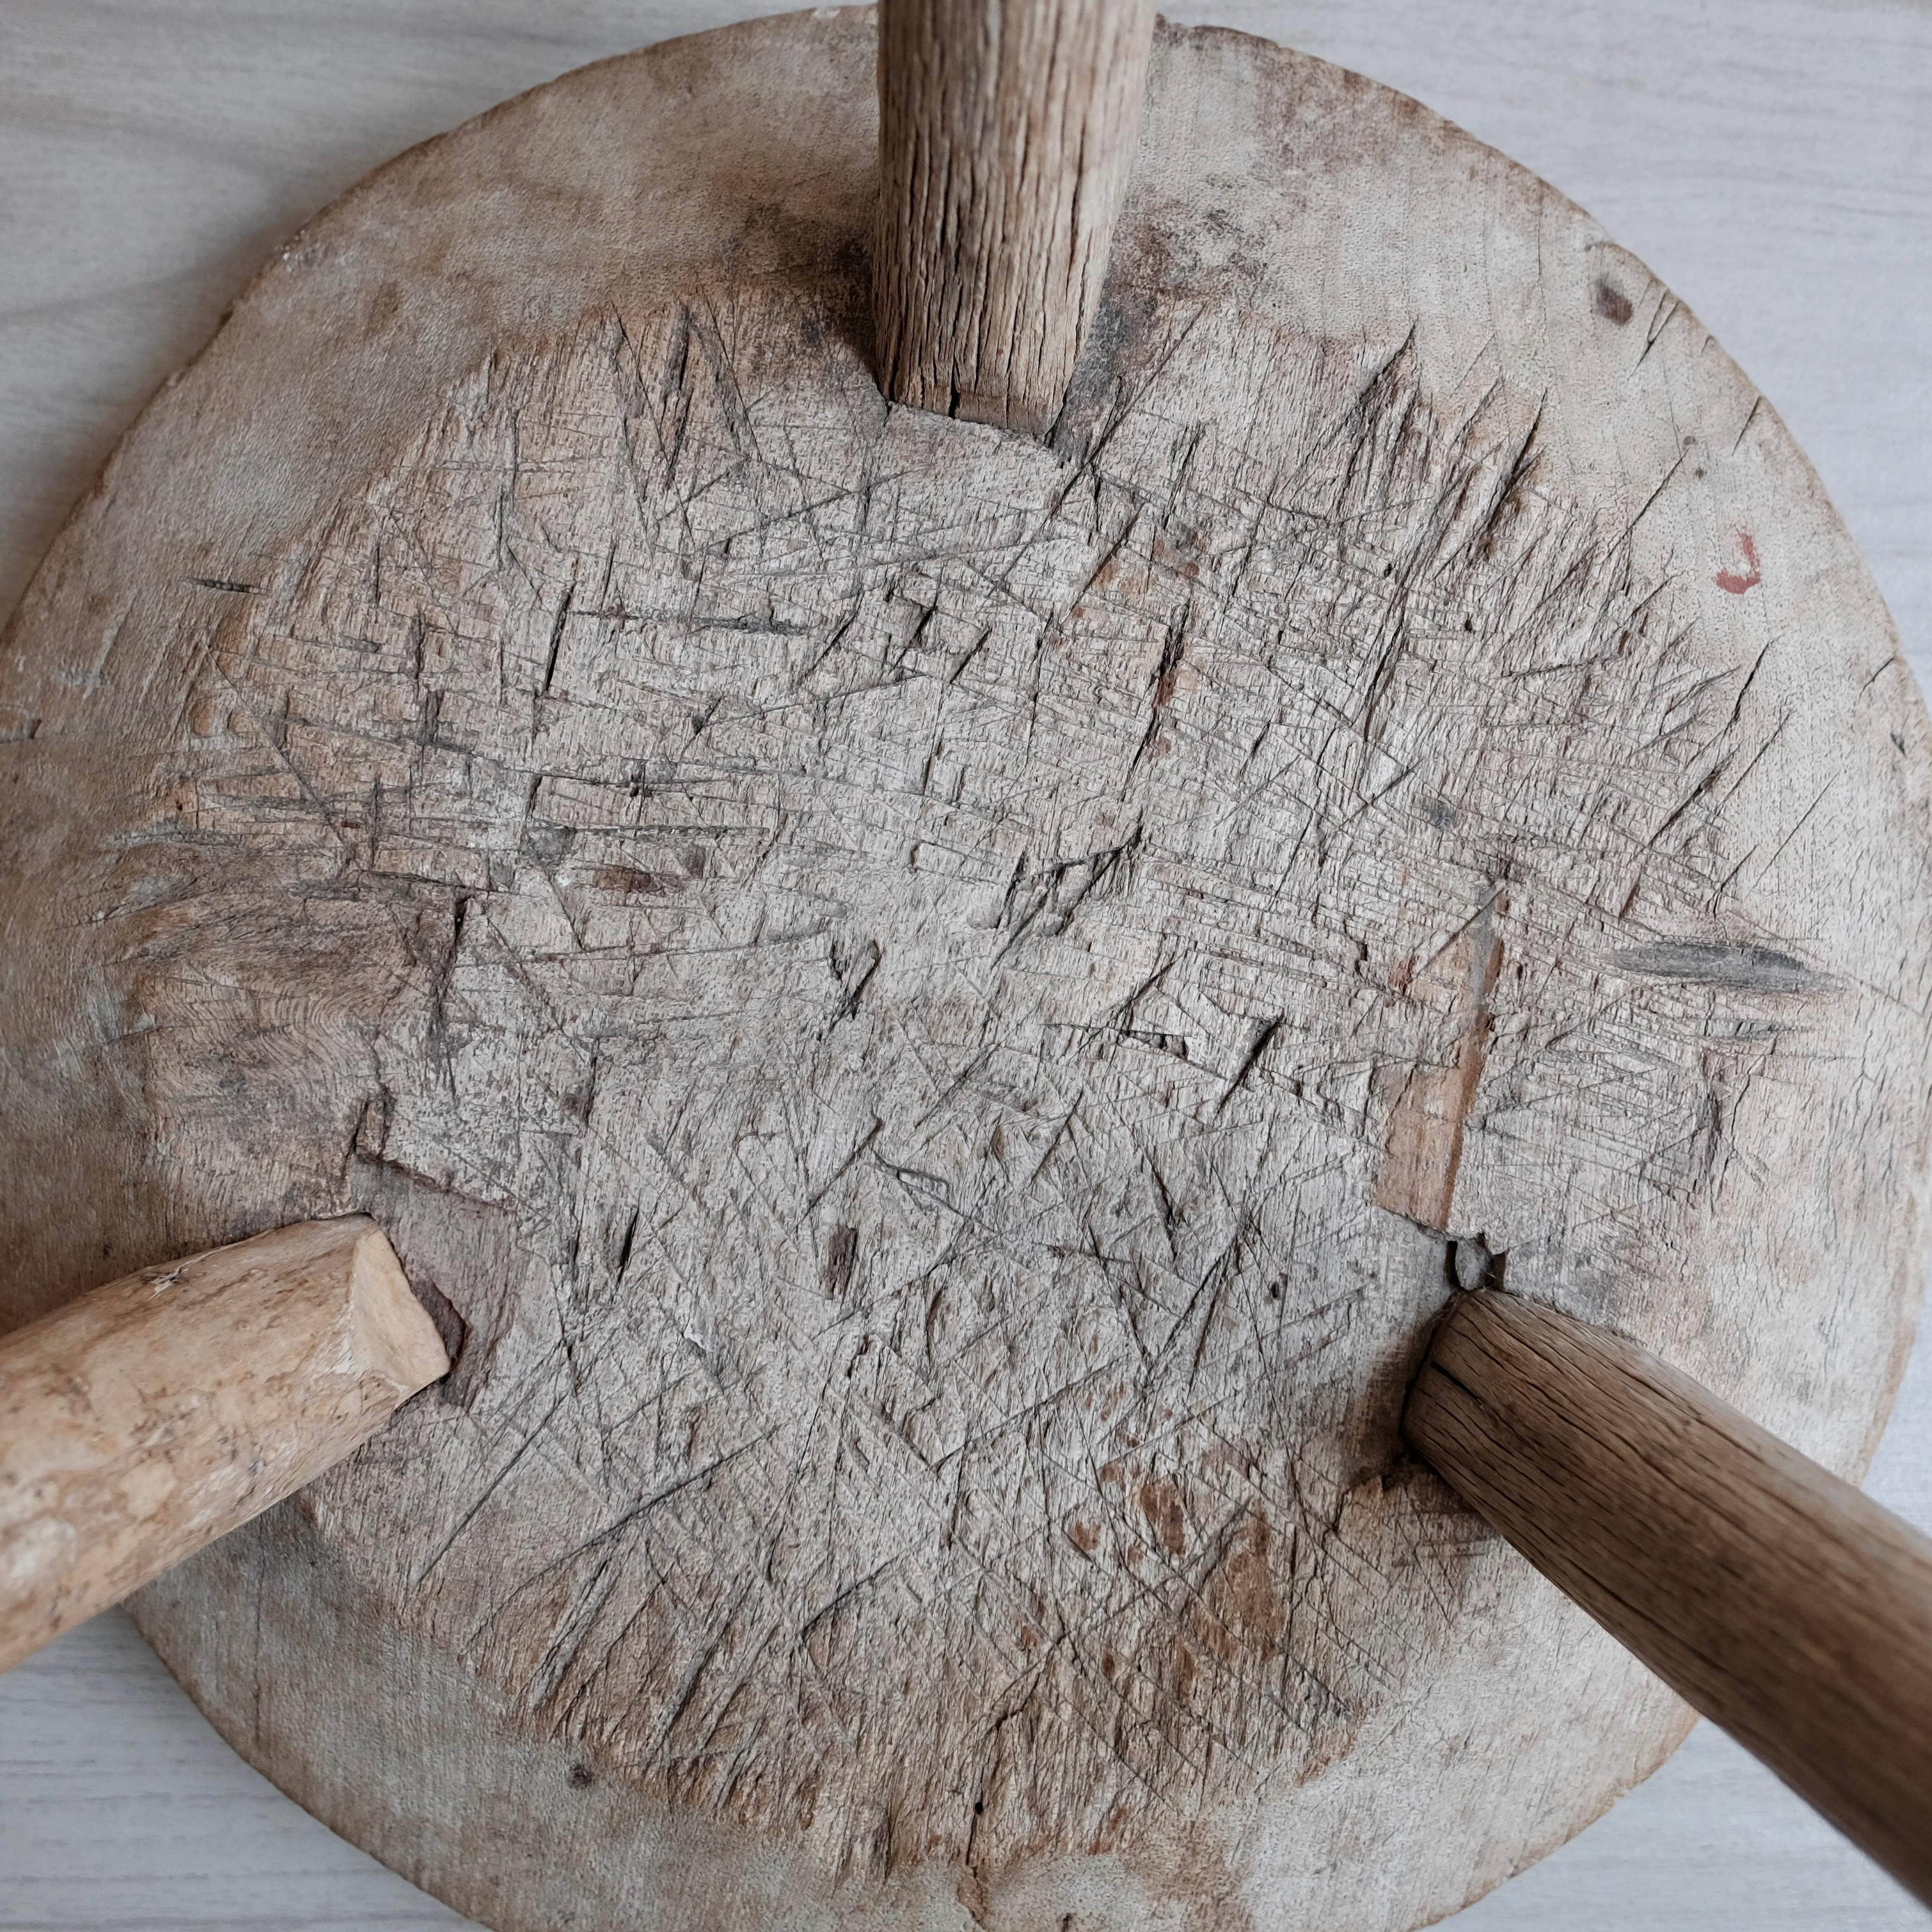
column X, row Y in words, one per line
column 934, row 1008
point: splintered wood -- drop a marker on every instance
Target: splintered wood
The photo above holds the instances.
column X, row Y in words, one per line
column 933, row 999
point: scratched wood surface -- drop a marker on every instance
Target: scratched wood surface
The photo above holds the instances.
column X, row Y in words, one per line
column 1407, row 1165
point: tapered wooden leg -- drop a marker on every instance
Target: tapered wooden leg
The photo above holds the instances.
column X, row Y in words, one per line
column 156, row 1414
column 1007, row 131
column 1781, row 1602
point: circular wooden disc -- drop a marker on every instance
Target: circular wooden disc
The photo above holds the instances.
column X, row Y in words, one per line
column 941, row 1009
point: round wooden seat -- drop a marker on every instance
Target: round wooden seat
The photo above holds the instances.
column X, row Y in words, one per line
column 939, row 1008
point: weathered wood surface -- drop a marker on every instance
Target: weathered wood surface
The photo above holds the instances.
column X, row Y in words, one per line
column 645, row 813
column 159, row 1412
column 1007, row 136
column 1774, row 1597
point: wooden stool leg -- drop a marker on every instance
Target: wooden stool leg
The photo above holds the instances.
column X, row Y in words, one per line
column 1777, row 1600
column 159, row 1412
column 1007, row 131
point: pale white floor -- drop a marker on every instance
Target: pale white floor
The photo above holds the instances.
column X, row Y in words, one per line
column 1771, row 159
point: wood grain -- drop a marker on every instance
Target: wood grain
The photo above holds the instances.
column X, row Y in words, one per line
column 167, row 150
column 699, row 852
column 141, row 1422
column 1006, row 134
column 1774, row 1597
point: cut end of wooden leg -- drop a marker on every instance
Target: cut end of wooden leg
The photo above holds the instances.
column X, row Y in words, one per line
column 395, row 1334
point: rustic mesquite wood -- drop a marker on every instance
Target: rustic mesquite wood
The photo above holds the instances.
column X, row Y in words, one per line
column 1007, row 131
column 931, row 997
column 1775, row 1598
column 159, row 1412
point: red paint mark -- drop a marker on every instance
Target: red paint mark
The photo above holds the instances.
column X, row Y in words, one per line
column 1730, row 580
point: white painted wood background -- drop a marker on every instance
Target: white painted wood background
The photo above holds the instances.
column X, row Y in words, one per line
column 1771, row 159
